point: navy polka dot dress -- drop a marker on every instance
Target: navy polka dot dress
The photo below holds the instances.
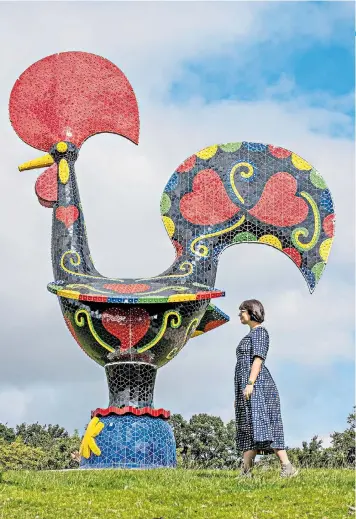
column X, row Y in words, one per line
column 258, row 419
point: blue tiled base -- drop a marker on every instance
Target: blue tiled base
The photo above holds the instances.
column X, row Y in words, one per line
column 131, row 441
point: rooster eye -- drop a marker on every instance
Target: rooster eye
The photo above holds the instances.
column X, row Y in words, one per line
column 62, row 147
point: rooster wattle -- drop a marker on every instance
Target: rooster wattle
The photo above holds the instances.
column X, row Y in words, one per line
column 223, row 195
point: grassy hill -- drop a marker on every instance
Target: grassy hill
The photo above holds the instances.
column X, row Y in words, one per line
column 171, row 494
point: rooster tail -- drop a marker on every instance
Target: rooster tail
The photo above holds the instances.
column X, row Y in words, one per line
column 247, row 193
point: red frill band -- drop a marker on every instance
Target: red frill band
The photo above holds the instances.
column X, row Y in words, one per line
column 155, row 413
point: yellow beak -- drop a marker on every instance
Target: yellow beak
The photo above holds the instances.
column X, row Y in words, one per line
column 41, row 162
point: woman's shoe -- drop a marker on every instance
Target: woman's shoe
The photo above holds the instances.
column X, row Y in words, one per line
column 288, row 471
column 245, row 473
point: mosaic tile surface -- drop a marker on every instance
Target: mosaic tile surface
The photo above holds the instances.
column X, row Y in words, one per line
column 246, row 192
column 222, row 195
column 128, row 442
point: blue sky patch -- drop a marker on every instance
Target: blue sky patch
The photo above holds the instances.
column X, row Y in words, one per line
column 320, row 70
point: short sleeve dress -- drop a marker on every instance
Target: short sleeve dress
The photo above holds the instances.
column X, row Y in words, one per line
column 258, row 420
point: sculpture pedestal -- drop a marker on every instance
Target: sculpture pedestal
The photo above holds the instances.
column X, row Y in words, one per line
column 129, row 441
column 131, row 383
column 129, row 433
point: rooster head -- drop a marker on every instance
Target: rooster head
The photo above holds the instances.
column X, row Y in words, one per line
column 60, row 156
column 62, row 100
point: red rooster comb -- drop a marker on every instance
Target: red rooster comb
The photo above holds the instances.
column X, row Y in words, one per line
column 71, row 96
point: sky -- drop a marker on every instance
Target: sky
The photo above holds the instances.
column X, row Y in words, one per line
column 204, row 73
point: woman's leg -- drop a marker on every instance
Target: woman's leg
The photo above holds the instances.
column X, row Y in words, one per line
column 282, row 455
column 249, row 457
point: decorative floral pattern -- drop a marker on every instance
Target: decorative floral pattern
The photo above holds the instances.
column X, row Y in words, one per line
column 242, row 192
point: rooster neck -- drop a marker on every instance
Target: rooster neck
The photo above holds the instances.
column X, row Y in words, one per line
column 71, row 259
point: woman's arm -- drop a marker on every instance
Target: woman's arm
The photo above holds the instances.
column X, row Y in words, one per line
column 255, row 368
column 260, row 345
column 259, row 349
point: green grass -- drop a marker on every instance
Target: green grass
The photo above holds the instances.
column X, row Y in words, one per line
column 170, row 494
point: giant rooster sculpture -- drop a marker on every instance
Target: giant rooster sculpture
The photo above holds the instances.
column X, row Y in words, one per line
column 222, row 195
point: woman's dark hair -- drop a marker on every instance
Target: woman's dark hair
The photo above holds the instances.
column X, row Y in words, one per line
column 255, row 309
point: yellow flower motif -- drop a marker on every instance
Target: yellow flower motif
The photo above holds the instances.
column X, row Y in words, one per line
column 88, row 443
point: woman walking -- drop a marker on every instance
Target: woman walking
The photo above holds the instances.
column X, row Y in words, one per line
column 257, row 405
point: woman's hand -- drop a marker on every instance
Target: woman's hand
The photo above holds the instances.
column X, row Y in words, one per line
column 248, row 391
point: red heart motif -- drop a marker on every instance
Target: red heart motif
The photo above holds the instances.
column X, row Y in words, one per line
column 129, row 326
column 278, row 204
column 208, row 203
column 127, row 289
column 68, row 215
